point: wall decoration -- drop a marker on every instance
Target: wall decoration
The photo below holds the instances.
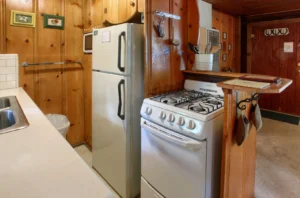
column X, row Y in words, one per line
column 224, row 35
column 277, row 32
column 53, row 21
column 229, row 47
column 23, row 19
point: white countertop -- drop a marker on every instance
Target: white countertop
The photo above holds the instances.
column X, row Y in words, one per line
column 36, row 162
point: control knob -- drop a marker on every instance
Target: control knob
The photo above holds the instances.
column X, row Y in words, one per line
column 148, row 111
column 171, row 118
column 181, row 121
column 191, row 125
column 162, row 115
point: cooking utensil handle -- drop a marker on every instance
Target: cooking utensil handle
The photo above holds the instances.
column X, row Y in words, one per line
column 192, row 145
column 122, row 34
column 122, row 82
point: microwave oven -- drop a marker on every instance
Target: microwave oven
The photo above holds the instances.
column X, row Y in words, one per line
column 88, row 43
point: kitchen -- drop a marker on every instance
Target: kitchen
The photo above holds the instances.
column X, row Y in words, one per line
column 67, row 88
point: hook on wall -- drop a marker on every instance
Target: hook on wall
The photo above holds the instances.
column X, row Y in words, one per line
column 242, row 106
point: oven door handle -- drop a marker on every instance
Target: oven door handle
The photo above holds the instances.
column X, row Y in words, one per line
column 189, row 144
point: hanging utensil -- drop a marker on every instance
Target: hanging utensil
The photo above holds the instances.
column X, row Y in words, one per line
column 160, row 22
column 242, row 129
column 201, row 49
column 214, row 49
column 255, row 116
column 174, row 41
column 193, row 48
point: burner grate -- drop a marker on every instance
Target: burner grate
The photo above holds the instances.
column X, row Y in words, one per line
column 199, row 102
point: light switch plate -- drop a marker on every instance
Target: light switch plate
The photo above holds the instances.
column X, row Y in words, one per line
column 288, row 47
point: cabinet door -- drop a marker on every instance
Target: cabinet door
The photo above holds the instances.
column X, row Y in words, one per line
column 118, row 11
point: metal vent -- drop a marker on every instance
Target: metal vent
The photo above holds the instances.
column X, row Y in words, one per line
column 213, row 37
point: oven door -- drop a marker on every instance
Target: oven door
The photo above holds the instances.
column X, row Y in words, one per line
column 173, row 164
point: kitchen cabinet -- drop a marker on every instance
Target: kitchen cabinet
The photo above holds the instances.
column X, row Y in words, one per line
column 118, row 11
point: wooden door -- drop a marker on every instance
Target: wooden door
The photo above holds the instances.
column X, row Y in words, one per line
column 269, row 58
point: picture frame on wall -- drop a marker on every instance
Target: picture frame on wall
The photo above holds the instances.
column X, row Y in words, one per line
column 54, row 22
column 22, row 19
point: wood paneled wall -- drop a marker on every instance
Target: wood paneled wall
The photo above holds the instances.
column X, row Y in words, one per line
column 230, row 25
column 95, row 13
column 164, row 61
column 54, row 88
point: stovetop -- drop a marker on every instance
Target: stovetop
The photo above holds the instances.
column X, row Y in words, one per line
column 195, row 101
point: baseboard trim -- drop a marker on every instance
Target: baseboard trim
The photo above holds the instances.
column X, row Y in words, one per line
column 292, row 119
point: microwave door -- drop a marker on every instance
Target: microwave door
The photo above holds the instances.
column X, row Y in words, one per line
column 88, row 43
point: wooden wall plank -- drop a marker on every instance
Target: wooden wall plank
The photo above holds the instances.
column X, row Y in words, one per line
column 193, row 30
column 49, row 48
column 20, row 40
column 2, row 27
column 74, row 77
column 97, row 13
column 141, row 5
column 238, row 44
column 178, row 55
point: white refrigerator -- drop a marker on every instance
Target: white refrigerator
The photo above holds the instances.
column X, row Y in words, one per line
column 118, row 92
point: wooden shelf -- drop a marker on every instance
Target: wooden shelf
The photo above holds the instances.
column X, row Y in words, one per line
column 217, row 74
column 273, row 89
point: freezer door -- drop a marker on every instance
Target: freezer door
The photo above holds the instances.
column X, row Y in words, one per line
column 111, row 47
column 109, row 126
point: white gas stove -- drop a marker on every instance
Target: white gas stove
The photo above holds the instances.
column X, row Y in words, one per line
column 181, row 142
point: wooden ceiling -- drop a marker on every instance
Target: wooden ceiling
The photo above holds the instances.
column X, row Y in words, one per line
column 254, row 7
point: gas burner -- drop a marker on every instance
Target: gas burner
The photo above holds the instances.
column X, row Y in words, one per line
column 214, row 102
column 168, row 100
column 196, row 108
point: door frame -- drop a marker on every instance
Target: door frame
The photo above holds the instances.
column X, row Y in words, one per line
column 261, row 24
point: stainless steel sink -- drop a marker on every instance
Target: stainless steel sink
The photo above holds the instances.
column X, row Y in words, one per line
column 4, row 103
column 7, row 119
column 12, row 117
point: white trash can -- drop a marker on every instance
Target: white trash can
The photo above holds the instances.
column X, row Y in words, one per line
column 60, row 122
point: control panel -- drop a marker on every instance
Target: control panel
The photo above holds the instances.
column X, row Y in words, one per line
column 173, row 120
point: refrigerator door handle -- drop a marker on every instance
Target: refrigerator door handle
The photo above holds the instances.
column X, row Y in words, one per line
column 122, row 69
column 122, row 82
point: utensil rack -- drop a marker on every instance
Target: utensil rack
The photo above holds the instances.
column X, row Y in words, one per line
column 167, row 15
column 255, row 97
column 25, row 64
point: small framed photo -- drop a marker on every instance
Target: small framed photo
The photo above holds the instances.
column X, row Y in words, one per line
column 229, row 47
column 224, row 35
column 224, row 57
column 23, row 19
column 54, row 22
